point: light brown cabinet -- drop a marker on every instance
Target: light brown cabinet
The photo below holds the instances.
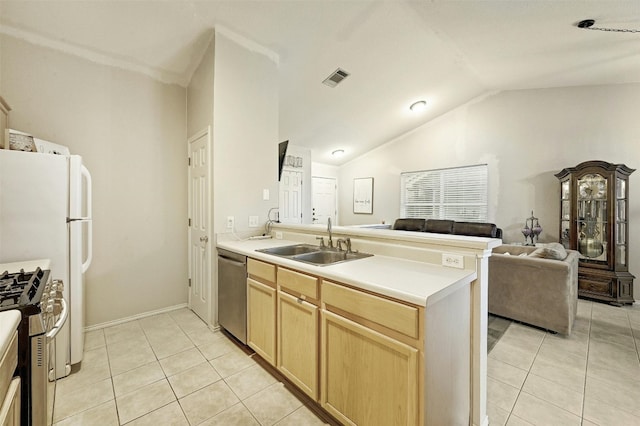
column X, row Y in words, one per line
column 9, row 386
column 10, row 409
column 261, row 309
column 298, row 329
column 365, row 358
column 369, row 376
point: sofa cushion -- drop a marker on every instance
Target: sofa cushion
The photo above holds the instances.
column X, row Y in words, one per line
column 555, row 251
column 409, row 224
column 439, row 226
column 475, row 229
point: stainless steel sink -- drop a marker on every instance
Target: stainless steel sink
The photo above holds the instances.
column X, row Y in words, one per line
column 291, row 250
column 314, row 255
column 326, row 257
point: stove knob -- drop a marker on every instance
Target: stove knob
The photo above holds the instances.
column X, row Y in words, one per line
column 59, row 285
column 53, row 294
column 57, row 308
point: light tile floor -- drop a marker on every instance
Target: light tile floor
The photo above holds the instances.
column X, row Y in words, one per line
column 170, row 369
column 590, row 378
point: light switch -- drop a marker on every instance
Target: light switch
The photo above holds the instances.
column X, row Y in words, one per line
column 265, row 194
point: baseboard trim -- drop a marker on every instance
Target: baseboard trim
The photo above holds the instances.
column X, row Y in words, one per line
column 485, row 422
column 134, row 317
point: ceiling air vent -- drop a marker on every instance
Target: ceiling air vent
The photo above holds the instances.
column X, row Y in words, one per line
column 336, row 77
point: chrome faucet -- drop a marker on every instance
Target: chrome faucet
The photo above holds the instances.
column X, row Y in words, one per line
column 329, row 231
column 346, row 241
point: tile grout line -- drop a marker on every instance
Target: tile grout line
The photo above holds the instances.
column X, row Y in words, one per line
column 586, row 367
column 146, row 332
column 113, row 387
column 525, row 379
column 166, row 378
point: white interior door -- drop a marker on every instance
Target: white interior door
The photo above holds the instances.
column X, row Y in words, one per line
column 291, row 197
column 323, row 200
column 200, row 225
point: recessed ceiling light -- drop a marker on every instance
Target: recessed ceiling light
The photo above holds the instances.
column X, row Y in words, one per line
column 418, row 106
column 338, row 153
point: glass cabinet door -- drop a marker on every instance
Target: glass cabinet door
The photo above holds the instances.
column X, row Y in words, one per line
column 565, row 218
column 591, row 231
column 621, row 222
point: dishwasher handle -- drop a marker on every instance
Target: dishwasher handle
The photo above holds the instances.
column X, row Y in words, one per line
column 231, row 261
column 233, row 258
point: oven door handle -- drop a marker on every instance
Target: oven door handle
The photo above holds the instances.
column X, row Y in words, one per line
column 61, row 320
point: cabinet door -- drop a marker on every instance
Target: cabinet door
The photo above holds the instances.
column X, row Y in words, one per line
column 261, row 319
column 10, row 408
column 367, row 378
column 298, row 335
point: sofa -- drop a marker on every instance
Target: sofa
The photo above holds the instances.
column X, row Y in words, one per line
column 541, row 291
column 440, row 226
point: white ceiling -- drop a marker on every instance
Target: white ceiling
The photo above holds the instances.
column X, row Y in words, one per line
column 446, row 52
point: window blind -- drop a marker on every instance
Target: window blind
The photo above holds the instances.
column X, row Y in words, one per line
column 458, row 193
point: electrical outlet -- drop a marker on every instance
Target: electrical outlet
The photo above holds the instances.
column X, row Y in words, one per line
column 453, row 260
column 278, row 235
column 230, row 222
column 253, row 221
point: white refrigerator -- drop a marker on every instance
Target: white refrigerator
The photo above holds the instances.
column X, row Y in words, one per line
column 45, row 212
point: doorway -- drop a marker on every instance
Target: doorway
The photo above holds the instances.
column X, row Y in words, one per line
column 200, row 224
column 323, row 200
column 291, row 196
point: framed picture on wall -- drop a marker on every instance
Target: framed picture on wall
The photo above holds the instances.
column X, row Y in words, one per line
column 363, row 195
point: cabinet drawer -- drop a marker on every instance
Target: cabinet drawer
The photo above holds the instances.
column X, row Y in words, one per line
column 262, row 270
column 8, row 362
column 394, row 315
column 597, row 286
column 300, row 283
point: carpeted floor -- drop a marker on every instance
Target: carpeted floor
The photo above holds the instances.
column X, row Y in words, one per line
column 497, row 327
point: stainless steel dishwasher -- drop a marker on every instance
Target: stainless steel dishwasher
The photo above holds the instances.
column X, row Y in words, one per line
column 232, row 293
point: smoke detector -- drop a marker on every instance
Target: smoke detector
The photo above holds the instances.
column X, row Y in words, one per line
column 336, row 77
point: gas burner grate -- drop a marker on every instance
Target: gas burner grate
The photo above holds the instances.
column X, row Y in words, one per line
column 19, row 288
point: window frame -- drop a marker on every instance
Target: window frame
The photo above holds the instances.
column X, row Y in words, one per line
column 453, row 193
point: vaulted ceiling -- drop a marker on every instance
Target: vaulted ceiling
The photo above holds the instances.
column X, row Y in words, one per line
column 397, row 52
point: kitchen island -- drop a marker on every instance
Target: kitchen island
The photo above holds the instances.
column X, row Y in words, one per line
column 388, row 339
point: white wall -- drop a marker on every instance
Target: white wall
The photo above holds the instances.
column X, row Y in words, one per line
column 245, row 134
column 200, row 94
column 525, row 137
column 130, row 131
column 324, row 170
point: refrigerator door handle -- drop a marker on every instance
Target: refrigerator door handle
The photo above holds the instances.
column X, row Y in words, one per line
column 87, row 176
column 78, row 219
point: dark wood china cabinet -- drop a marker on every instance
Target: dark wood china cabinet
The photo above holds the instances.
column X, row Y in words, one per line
column 594, row 212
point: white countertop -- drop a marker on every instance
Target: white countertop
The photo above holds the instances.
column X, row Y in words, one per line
column 27, row 265
column 414, row 282
column 9, row 321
